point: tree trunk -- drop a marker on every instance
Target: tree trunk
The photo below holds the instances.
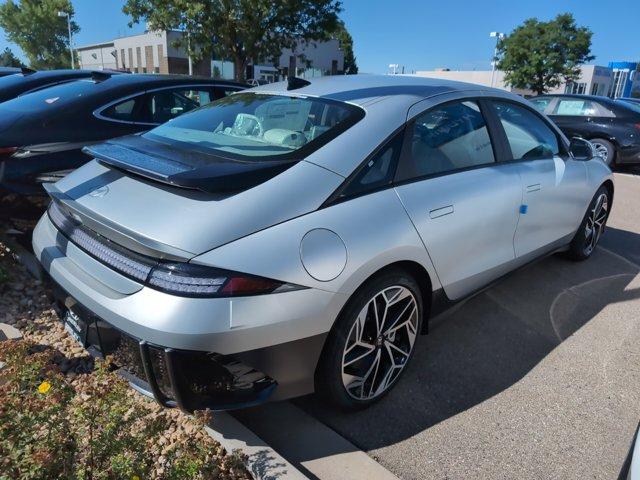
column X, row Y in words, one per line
column 239, row 67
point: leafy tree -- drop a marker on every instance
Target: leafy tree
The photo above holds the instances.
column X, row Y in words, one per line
column 346, row 43
column 8, row 59
column 242, row 30
column 34, row 25
column 541, row 55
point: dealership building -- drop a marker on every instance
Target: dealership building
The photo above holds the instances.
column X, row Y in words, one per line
column 154, row 52
column 618, row 79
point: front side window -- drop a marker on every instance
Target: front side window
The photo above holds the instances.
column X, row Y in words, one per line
column 529, row 136
column 448, row 138
column 259, row 125
column 576, row 107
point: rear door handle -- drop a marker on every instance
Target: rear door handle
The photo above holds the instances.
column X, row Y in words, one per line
column 533, row 188
column 441, row 212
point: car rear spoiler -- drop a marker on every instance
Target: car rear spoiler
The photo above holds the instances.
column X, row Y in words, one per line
column 210, row 173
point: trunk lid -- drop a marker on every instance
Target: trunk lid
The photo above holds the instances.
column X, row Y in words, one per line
column 153, row 217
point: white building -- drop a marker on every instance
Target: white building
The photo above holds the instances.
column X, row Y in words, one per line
column 593, row 80
column 153, row 52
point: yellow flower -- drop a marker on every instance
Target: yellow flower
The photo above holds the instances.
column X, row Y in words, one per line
column 135, row 477
column 44, row 387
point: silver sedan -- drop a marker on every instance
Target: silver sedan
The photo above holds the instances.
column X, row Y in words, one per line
column 298, row 236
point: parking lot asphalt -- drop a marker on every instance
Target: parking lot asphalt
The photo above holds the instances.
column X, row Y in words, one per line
column 537, row 377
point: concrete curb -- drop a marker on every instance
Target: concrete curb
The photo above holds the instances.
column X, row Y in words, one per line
column 263, row 462
column 310, row 445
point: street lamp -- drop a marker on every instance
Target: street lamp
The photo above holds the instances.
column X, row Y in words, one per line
column 65, row 14
column 498, row 36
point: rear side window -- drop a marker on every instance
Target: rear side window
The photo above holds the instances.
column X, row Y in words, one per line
column 529, row 136
column 541, row 104
column 448, row 138
column 124, row 111
column 576, row 107
column 164, row 105
column 378, row 172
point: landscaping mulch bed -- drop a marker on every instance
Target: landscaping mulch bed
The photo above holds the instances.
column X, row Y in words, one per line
column 109, row 431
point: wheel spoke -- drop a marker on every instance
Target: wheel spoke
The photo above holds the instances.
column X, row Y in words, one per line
column 371, row 365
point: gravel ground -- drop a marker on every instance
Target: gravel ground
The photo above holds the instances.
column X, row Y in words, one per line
column 24, row 304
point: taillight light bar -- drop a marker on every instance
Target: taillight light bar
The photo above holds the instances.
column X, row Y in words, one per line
column 182, row 279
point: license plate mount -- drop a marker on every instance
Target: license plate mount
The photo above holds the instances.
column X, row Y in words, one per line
column 75, row 327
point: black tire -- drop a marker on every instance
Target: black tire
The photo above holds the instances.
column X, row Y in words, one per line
column 606, row 148
column 329, row 374
column 583, row 245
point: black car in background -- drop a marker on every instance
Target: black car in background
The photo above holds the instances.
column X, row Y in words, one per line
column 635, row 101
column 27, row 80
column 42, row 133
column 612, row 126
column 4, row 71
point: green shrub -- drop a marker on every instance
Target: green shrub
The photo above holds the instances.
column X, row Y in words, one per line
column 94, row 426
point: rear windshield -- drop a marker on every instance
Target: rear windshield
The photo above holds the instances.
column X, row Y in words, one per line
column 52, row 97
column 259, row 126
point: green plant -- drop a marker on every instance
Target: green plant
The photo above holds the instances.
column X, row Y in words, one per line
column 94, row 427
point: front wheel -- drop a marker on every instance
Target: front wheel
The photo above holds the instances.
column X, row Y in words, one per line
column 371, row 342
column 586, row 238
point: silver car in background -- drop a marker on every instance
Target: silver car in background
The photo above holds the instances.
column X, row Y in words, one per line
column 299, row 235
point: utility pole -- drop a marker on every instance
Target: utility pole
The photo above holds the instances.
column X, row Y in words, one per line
column 65, row 14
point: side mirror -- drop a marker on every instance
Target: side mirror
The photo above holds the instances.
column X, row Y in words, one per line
column 581, row 149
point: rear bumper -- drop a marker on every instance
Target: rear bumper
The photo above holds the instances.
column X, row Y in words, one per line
column 277, row 337
column 629, row 154
column 189, row 380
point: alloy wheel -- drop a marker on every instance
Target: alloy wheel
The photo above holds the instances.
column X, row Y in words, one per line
column 595, row 223
column 601, row 151
column 380, row 343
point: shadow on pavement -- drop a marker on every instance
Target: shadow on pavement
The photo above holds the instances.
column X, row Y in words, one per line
column 487, row 345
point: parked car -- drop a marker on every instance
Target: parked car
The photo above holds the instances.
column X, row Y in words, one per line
column 635, row 101
column 298, row 236
column 612, row 126
column 4, row 71
column 42, row 134
column 28, row 80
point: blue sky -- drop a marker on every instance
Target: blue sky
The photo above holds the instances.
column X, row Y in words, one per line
column 426, row 34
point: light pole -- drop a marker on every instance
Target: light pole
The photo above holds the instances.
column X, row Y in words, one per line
column 498, row 36
column 65, row 14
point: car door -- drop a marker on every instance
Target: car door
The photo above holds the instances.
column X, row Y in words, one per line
column 463, row 202
column 552, row 182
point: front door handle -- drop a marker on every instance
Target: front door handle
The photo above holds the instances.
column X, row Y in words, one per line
column 533, row 188
column 441, row 211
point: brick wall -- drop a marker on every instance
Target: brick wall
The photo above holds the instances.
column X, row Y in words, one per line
column 163, row 61
column 148, row 58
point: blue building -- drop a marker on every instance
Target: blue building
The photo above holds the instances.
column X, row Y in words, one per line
column 626, row 79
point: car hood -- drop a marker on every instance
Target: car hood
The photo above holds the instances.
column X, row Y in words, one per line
column 163, row 220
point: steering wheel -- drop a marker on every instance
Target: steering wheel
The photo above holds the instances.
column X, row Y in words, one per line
column 240, row 125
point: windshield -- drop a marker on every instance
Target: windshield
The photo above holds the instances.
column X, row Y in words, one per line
column 52, row 97
column 259, row 125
